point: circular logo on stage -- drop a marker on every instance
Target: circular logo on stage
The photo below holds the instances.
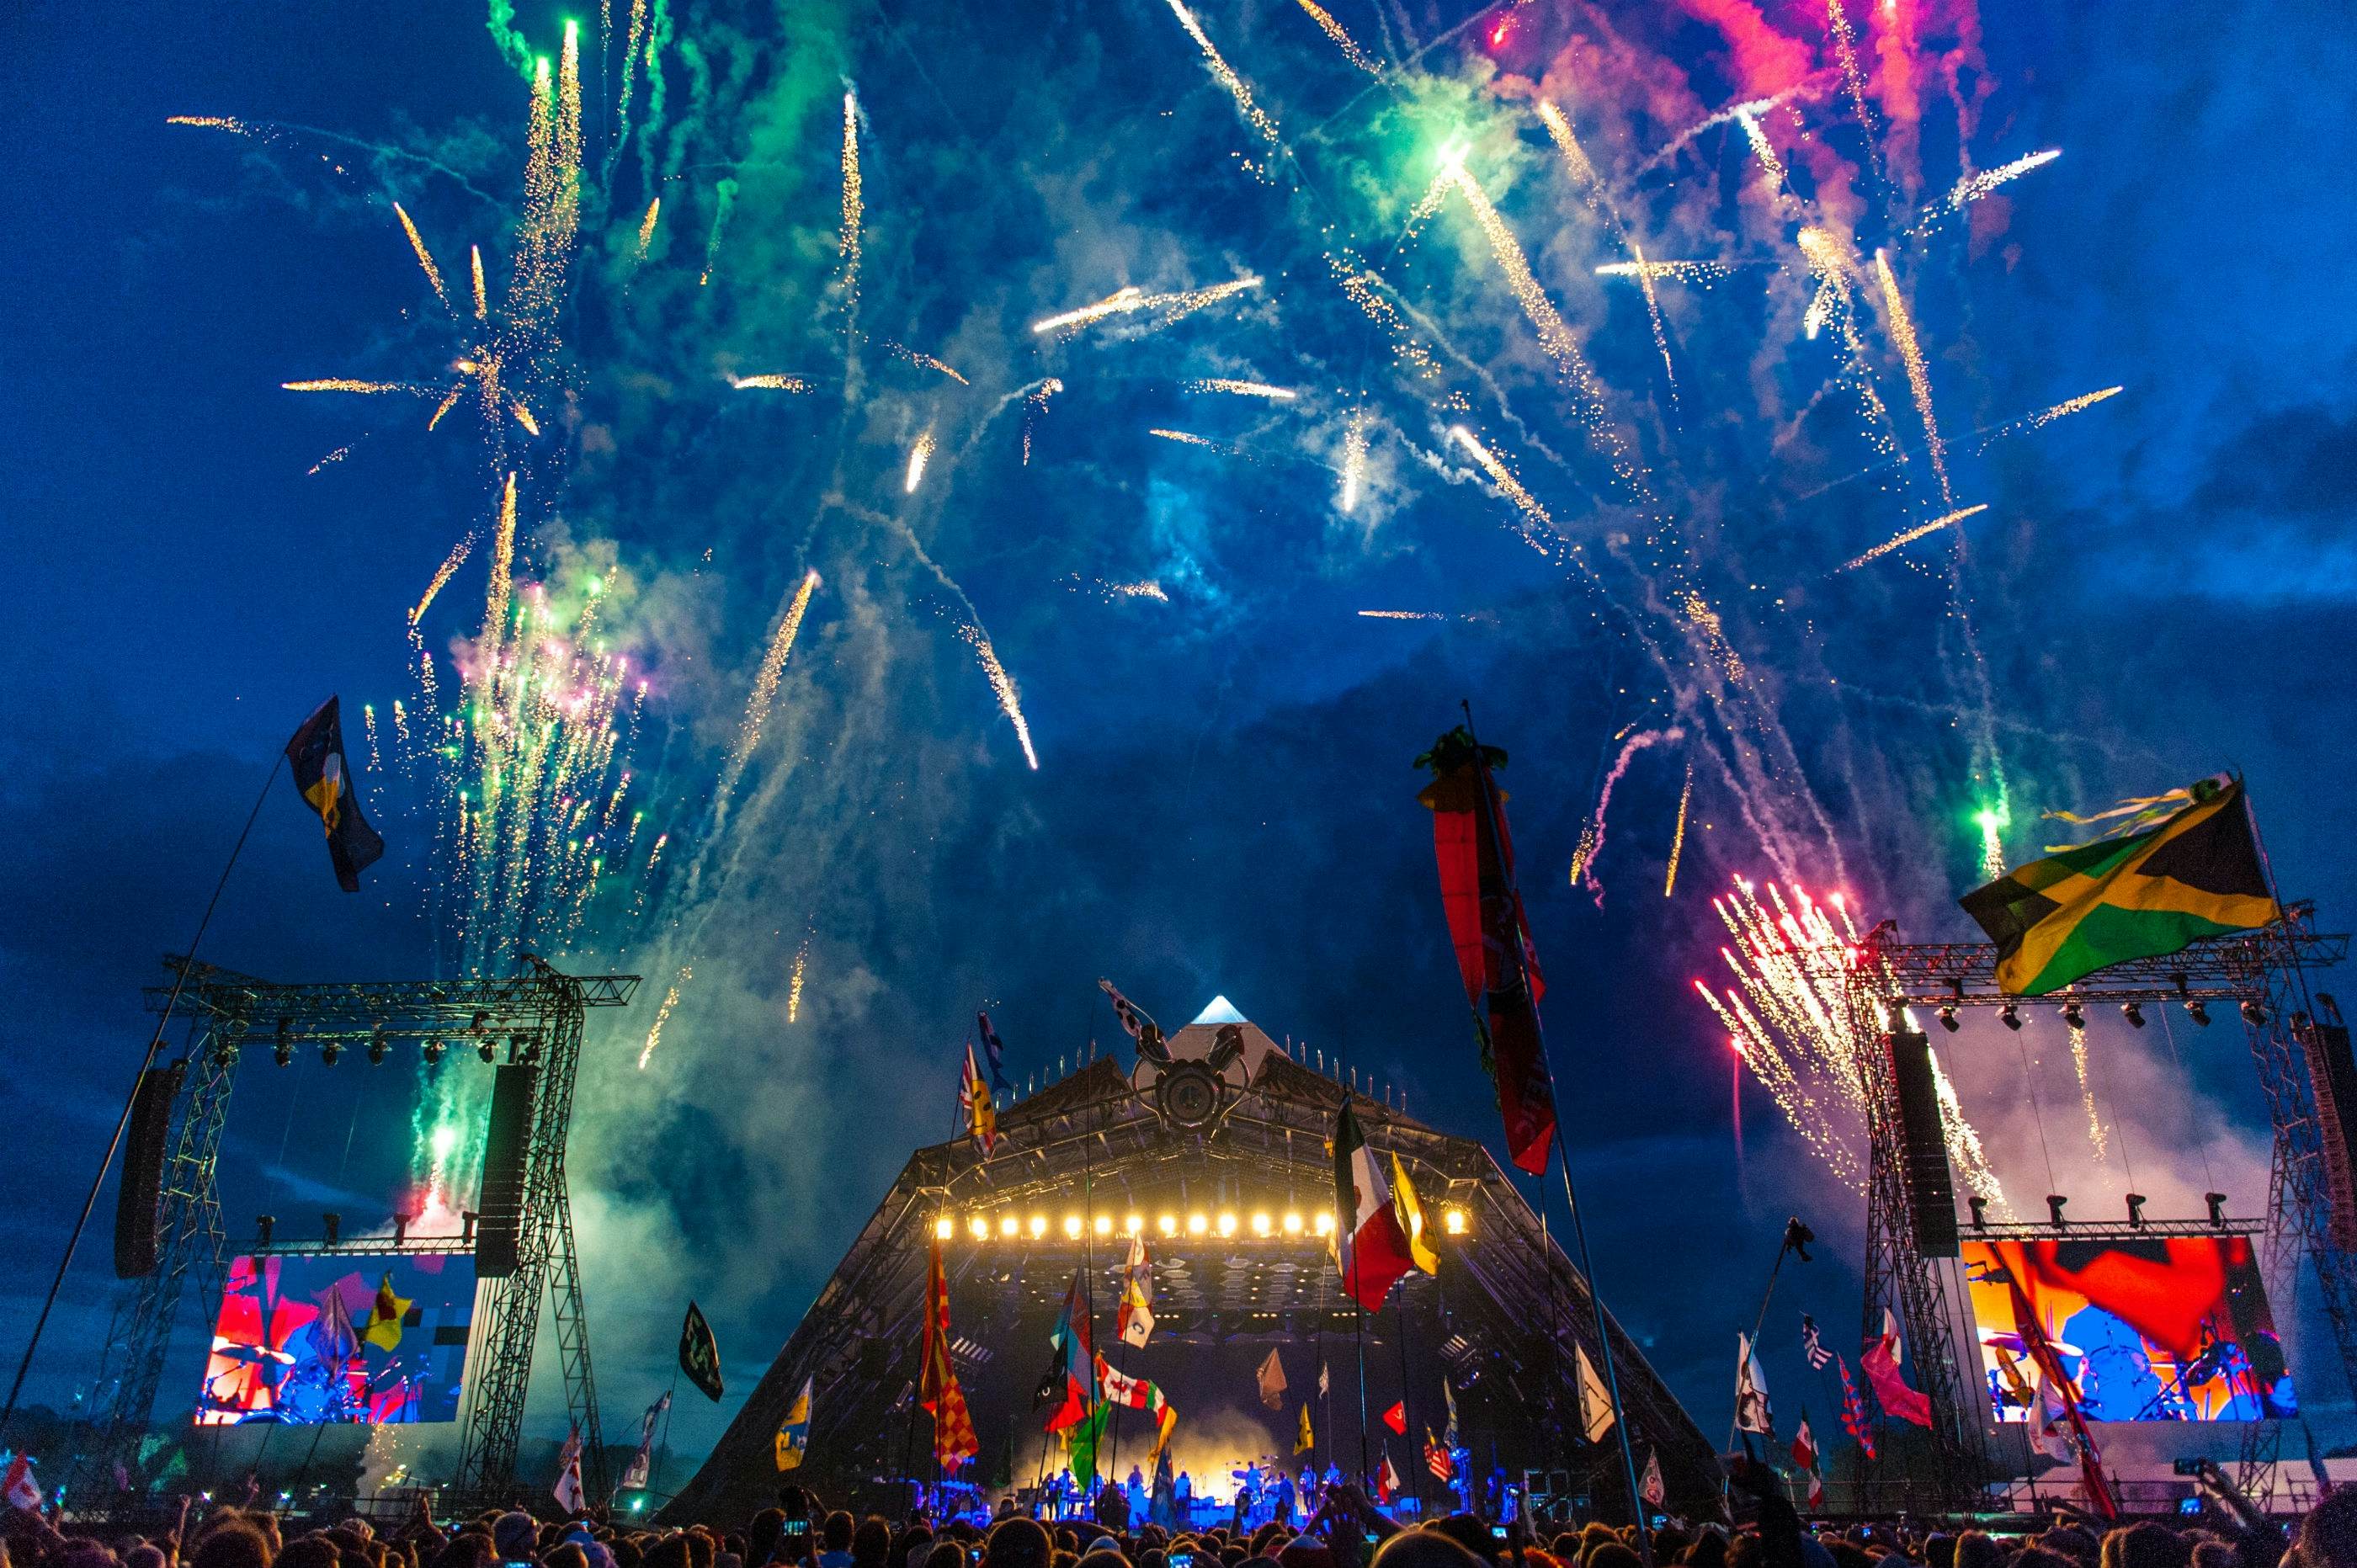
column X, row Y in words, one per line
column 1189, row 1095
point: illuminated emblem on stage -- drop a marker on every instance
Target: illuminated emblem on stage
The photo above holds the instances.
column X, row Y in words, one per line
column 1191, row 1079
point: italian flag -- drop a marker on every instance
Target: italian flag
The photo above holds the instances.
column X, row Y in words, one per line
column 1371, row 1248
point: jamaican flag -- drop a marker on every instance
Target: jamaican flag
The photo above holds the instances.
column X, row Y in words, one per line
column 2142, row 895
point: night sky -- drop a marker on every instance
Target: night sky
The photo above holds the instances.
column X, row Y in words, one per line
column 2160, row 588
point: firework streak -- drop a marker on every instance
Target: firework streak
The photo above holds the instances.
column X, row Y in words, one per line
column 2087, row 1090
column 663, row 1014
column 769, row 383
column 846, row 243
column 1591, row 842
column 794, row 982
column 1354, row 459
column 2046, row 416
column 1678, row 839
column 424, row 256
column 1538, row 529
column 442, row 576
column 928, row 361
column 1242, row 389
column 1919, row 374
column 1002, row 686
column 1972, row 188
column 764, row 692
column 1912, row 534
column 1131, row 300
column 919, row 455
column 1343, row 40
column 1254, row 114
column 647, row 226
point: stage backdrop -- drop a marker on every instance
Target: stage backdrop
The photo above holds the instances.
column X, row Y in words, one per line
column 303, row 1339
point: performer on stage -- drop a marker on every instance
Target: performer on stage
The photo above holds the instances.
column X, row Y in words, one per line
column 1183, row 1499
column 1165, row 1511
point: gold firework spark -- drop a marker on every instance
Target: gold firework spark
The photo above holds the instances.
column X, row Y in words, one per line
column 2046, row 416
column 1574, row 157
column 846, row 242
column 1034, row 403
column 346, row 384
column 769, row 383
column 424, row 256
column 1254, row 114
column 1404, row 614
column 1586, row 847
column 1002, row 686
column 919, row 455
column 663, row 1014
column 442, row 575
column 1846, row 50
column 1747, row 116
column 1354, row 459
column 1919, row 374
column 1654, row 314
column 338, row 455
column 1666, row 272
column 928, row 361
column 482, row 298
column 1189, row 438
column 502, row 584
column 1343, row 40
column 523, row 417
column 647, row 224
column 1678, row 839
column 2087, row 1090
column 1538, row 531
column 1912, row 534
column 764, row 692
column 1972, row 188
column 1130, row 300
column 794, row 983
column 1242, row 389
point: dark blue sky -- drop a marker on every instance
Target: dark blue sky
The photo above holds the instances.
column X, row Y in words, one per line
column 2160, row 587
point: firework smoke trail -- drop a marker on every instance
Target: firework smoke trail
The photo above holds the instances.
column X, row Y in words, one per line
column 1592, row 841
column 647, row 224
column 2087, row 1090
column 1574, row 157
column 1912, row 534
column 928, row 361
column 769, row 383
column 1678, row 839
column 1254, row 114
column 1972, row 188
column 1749, row 118
column 919, row 455
column 1654, row 314
column 2046, row 416
column 346, row 384
column 442, row 575
column 1354, row 459
column 1404, row 614
column 1919, row 374
column 764, row 692
column 1034, row 404
column 1852, row 78
column 794, row 982
column 424, row 256
column 1343, row 40
column 1242, row 389
column 1002, row 685
column 1128, row 301
column 663, row 1014
column 847, row 238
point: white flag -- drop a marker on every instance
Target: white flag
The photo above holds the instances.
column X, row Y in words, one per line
column 1323, row 1388
column 1136, row 1322
column 568, row 1474
column 19, row 1487
column 642, row 1465
column 1594, row 1399
column 1752, row 1412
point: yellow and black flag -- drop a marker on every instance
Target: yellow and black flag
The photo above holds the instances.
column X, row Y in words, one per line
column 2144, row 895
column 317, row 756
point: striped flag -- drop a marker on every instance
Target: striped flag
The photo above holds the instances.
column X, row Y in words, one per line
column 1813, row 1345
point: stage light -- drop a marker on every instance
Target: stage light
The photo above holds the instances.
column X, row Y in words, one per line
column 376, row 1051
column 1167, row 1225
column 262, row 1226
column 1104, row 1225
column 1009, row 1227
column 2009, row 1015
column 485, row 1051
column 2073, row 1014
column 1073, row 1226
column 944, row 1227
column 1134, row 1226
column 978, row 1227
column 2136, row 1210
column 1261, row 1223
column 2199, row 1011
column 331, row 1228
column 1039, row 1227
column 329, row 1052
column 1292, row 1222
column 1198, row 1222
column 1948, row 1019
column 1454, row 1222
column 1325, row 1223
column 2054, row 1202
column 1227, row 1224
column 2133, row 1013
column 433, row 1052
column 1980, row 1211
column 2254, row 1015
column 2217, row 1202
column 282, row 1054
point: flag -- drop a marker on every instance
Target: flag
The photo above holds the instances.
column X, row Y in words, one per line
column 1397, row 1418
column 1436, row 1458
column 1484, row 909
column 1813, row 1345
column 384, row 1317
column 793, row 1433
column 1134, row 1319
column 1651, row 1487
column 1411, row 1219
column 1597, row 1414
column 1166, row 1420
column 640, row 1469
column 1752, row 1412
column 1270, row 1377
column 1141, row 1029
column 1324, row 1387
column 974, row 1104
column 1074, row 1372
column 1119, row 1387
column 938, row 1391
column 1804, row 1444
column 316, row 755
column 1449, row 1434
column 19, row 1489
column 1854, row 1419
column 994, row 1053
column 1370, row 1247
column 1306, row 1438
column 2143, row 894
column 2054, row 1377
column 1879, row 1362
column 1388, row 1481
column 699, row 1354
column 568, row 1474
column 1080, row 1441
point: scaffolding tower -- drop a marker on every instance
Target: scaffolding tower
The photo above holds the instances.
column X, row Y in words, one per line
column 535, row 1016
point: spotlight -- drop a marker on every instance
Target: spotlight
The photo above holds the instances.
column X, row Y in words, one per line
column 2133, row 1013
column 376, row 1048
column 401, row 1229
column 1198, row 1222
column 282, row 1054
column 2199, row 1011
column 2217, row 1202
column 2010, row 1016
column 1167, row 1225
column 1324, row 1225
column 2254, row 1015
column 1227, row 1224
column 2073, row 1014
column 1009, row 1227
column 331, row 1228
column 1261, row 1225
column 1292, row 1222
column 1074, row 1225
column 2136, row 1210
column 329, row 1052
column 1979, row 1206
column 487, row 1051
column 2054, row 1202
column 262, row 1226
column 1134, row 1226
column 525, row 1048
column 1948, row 1019
column 1039, row 1227
column 978, row 1227
column 944, row 1227
column 1104, row 1226
column 224, row 1054
column 1454, row 1220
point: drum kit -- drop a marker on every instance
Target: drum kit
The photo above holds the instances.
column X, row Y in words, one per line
column 309, row 1392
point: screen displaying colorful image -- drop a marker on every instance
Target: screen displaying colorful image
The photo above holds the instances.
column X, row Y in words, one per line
column 2169, row 1329
column 308, row 1340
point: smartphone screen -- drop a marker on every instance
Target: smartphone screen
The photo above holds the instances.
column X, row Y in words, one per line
column 1497, row 1532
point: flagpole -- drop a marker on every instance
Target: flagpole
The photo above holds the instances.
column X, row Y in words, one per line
column 1407, row 1416
column 1760, row 1322
column 1563, row 1155
column 662, row 1443
column 155, row 1045
column 1360, row 1308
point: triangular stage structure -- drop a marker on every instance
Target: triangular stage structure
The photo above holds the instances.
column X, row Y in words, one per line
column 1219, row 1156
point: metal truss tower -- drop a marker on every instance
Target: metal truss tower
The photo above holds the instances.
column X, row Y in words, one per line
column 536, row 1015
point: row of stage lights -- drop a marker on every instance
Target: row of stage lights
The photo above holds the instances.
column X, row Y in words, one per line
column 2075, row 1015
column 1225, row 1224
column 523, row 1048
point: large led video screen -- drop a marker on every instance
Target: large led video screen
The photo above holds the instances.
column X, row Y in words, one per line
column 306, row 1339
column 2174, row 1329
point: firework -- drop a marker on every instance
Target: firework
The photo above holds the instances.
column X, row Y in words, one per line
column 1591, row 842
column 1189, row 438
column 2087, row 1090
column 1852, row 78
column 928, row 361
column 502, row 583
column 1574, row 157
column 1972, row 188
column 1130, row 300
column 769, row 383
column 919, row 455
column 424, row 256
column 1538, row 531
column 1034, row 404
column 346, row 384
column 1834, row 305
column 1678, row 839
column 2046, row 416
column 1919, row 374
column 1145, row 588
column 647, row 226
column 1404, row 614
column 1964, row 1141
column 1747, row 116
column 442, row 575
column 663, row 1014
column 764, row 692
column 1343, row 40
column 523, row 417
column 1912, row 534
column 1991, row 820
column 482, row 297
column 847, row 237
column 1666, row 272
column 1254, row 114
column 794, row 982
column 1580, row 851
column 1654, row 314
column 1354, row 459
column 1242, row 389
column 1002, row 686
column 338, row 455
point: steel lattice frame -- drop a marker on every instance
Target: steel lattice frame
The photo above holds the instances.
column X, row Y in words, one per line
column 2262, row 975
column 539, row 1011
